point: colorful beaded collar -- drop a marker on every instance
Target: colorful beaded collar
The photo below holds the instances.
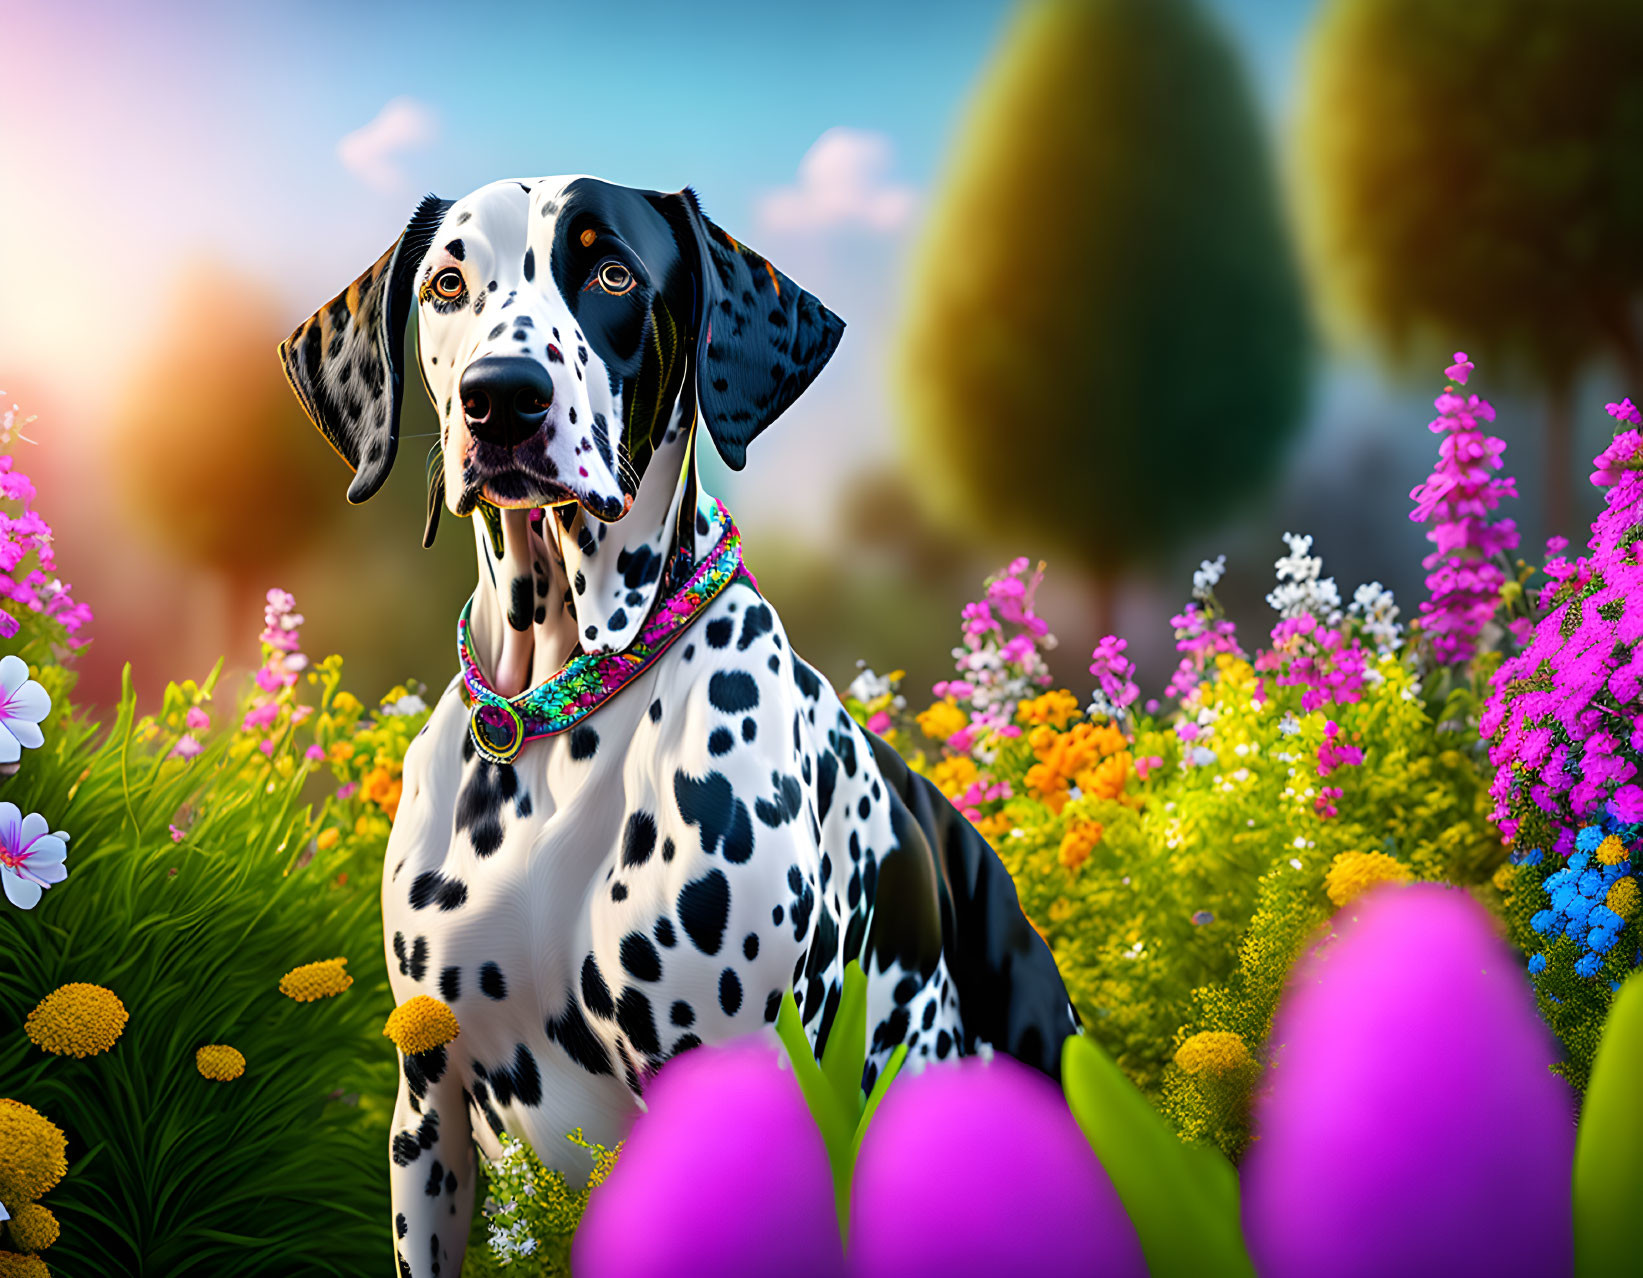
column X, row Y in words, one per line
column 501, row 726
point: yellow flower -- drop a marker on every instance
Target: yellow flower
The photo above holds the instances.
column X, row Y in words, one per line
column 1212, row 1052
column 328, row 839
column 1611, row 851
column 33, row 1228
column 33, row 1153
column 1078, row 843
column 341, row 752
column 15, row 1266
column 1352, row 874
column 1504, row 875
column 942, row 719
column 77, row 1020
column 953, row 775
column 346, row 703
column 314, row 981
column 992, row 828
column 1622, row 898
column 1053, row 708
column 219, row 1062
column 421, row 1024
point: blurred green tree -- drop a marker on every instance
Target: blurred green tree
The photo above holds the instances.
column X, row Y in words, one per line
column 1107, row 344
column 1475, row 183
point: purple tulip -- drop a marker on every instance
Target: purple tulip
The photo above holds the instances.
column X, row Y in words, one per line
column 725, row 1175
column 978, row 1169
column 1412, row 1125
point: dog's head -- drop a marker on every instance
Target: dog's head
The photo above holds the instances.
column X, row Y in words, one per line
column 558, row 322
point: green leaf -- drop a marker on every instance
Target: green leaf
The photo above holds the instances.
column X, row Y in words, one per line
column 1608, row 1176
column 1182, row 1199
column 845, row 1055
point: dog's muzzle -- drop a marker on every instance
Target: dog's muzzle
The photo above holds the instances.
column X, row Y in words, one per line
column 505, row 399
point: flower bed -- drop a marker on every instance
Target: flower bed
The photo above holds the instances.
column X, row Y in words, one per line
column 200, row 1081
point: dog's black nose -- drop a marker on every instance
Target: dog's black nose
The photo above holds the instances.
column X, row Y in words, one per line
column 505, row 398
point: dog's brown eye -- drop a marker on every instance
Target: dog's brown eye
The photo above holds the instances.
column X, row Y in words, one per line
column 615, row 278
column 448, row 283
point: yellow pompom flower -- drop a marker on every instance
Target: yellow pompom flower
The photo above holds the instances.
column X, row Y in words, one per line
column 954, row 775
column 346, row 703
column 219, row 1062
column 77, row 1019
column 33, row 1228
column 1623, row 897
column 942, row 719
column 1611, row 851
column 1212, row 1052
column 314, row 981
column 33, row 1153
column 1352, row 874
column 1078, row 843
column 14, row 1266
column 421, row 1024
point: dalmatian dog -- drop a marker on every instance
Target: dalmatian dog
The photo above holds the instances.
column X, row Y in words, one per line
column 719, row 830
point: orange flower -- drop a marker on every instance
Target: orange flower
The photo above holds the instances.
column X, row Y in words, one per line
column 1053, row 708
column 383, row 789
column 1078, row 843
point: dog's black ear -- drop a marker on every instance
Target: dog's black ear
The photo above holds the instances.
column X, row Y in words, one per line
column 761, row 339
column 345, row 360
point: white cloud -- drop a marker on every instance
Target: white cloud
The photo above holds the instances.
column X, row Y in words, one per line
column 844, row 181
column 372, row 152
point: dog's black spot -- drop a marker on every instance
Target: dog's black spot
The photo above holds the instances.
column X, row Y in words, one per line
column 456, row 248
column 540, row 615
column 721, row 741
column 785, row 806
column 808, row 680
column 655, row 711
column 711, row 803
column 719, row 631
column 618, row 620
column 498, row 330
column 684, row 1043
column 732, row 691
column 431, row 887
column 571, row 1031
column 530, row 264
column 595, row 993
column 682, row 1015
column 639, row 839
column 399, row 1224
column 522, row 1079
column 554, row 357
column 667, row 848
column 750, row 946
column 584, row 742
column 750, row 729
column 827, row 777
column 730, row 992
column 618, row 891
column 522, row 805
column 492, row 983
column 450, row 984
column 479, row 802
column 639, row 957
column 704, row 909
column 422, row 1069
column 633, row 1014
column 757, row 622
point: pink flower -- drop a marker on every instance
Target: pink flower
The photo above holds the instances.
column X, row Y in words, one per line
column 1460, row 370
column 879, row 723
column 176, row 834
column 187, row 746
column 260, row 716
column 1625, row 411
column 198, row 720
column 314, row 754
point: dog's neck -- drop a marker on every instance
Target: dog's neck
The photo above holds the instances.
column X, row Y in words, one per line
column 560, row 582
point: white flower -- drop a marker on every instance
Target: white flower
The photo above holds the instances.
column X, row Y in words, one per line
column 30, row 858
column 409, row 704
column 866, row 686
column 1300, row 590
column 1373, row 602
column 1208, row 574
column 23, row 704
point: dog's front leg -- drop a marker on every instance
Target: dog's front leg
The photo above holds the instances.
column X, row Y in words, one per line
column 431, row 1168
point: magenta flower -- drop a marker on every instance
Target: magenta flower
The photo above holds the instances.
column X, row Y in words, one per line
column 177, row 834
column 724, row 1175
column 187, row 746
column 31, row 856
column 1114, row 676
column 1412, row 1125
column 1625, row 411
column 978, row 1168
column 197, row 719
column 1464, row 575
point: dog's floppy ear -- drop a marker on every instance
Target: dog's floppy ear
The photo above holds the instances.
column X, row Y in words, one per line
column 345, row 361
column 761, row 339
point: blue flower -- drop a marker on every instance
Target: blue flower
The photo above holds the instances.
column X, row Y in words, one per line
column 1529, row 857
column 1588, row 839
column 1579, row 861
column 1588, row 965
column 1543, row 921
column 1602, row 916
column 1591, row 884
column 1537, row 964
column 1601, row 940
